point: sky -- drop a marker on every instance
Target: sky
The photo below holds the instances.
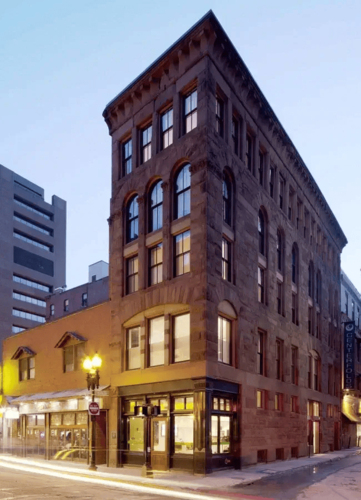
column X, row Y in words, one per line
column 62, row 62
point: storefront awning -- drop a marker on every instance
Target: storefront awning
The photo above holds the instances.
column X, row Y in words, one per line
column 351, row 408
column 72, row 393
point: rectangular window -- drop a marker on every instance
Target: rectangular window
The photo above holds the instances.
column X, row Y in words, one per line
column 183, row 434
column 224, row 340
column 132, row 275
column 281, row 192
column 26, row 315
column 146, row 144
column 294, row 364
column 27, row 368
column 294, row 309
column 260, row 353
column 309, row 372
column 279, row 359
column 181, row 338
column 235, row 135
column 190, row 111
column 66, row 305
column 52, row 309
column 226, row 260
column 17, row 329
column 318, row 325
column 315, row 373
column 260, row 400
column 249, row 152
column 127, row 156
column 330, row 379
column 182, row 253
column 133, row 348
column 278, row 402
column 84, row 299
column 294, row 404
column 220, row 116
column 329, row 411
column 73, row 356
column 310, row 320
column 279, row 296
column 290, row 205
column 271, row 181
column 32, row 241
column 37, row 211
column 167, row 128
column 156, row 264
column 156, row 341
column 261, row 167
column 221, row 434
column 32, row 284
column 28, row 299
column 33, row 225
column 261, row 273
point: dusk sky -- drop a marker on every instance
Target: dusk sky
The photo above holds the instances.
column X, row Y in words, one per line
column 62, row 62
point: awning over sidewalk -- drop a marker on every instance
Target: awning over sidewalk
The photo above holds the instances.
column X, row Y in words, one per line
column 72, row 393
column 351, row 408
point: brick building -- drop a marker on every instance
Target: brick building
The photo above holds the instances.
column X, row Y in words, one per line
column 32, row 249
column 224, row 269
column 64, row 302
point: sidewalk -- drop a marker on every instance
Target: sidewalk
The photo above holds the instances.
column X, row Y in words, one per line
column 179, row 481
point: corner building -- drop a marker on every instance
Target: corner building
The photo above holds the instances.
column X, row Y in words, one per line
column 224, row 270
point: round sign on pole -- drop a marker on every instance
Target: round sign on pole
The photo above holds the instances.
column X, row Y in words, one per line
column 93, row 409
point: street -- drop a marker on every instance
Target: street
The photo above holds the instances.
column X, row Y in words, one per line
column 338, row 479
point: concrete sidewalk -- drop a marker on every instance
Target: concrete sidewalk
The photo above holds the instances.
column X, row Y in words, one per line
column 182, row 481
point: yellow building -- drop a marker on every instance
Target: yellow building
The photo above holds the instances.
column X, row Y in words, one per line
column 45, row 388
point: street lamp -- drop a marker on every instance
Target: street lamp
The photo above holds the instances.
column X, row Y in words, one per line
column 91, row 366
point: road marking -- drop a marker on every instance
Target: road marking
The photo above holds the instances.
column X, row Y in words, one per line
column 130, row 487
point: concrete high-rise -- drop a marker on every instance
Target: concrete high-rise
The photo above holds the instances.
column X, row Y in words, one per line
column 32, row 252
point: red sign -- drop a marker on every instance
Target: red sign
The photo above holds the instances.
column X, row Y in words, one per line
column 94, row 409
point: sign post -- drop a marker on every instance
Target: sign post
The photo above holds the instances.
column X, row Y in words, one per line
column 349, row 355
column 93, row 409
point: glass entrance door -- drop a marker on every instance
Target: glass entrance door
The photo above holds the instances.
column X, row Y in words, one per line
column 159, row 443
column 316, row 437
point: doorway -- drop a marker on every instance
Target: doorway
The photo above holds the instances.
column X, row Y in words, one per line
column 316, row 437
column 159, row 447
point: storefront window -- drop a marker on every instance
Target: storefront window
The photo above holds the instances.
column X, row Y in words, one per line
column 159, row 435
column 221, row 429
column 135, row 433
column 183, row 434
column 183, row 403
column 69, row 419
column 82, row 418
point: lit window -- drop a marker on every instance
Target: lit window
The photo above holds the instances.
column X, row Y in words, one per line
column 221, row 434
column 181, row 338
column 278, row 402
column 127, row 156
column 156, row 207
column 182, row 190
column 133, row 348
column 84, row 299
column 132, row 275
column 182, row 253
column 294, row 405
column 183, row 434
column 167, row 128
column 156, row 341
column 146, row 144
column 260, row 399
column 190, row 111
column 132, row 219
column 224, row 340
column 156, row 264
column 226, row 260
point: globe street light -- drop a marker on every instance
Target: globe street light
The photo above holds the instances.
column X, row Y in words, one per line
column 91, row 366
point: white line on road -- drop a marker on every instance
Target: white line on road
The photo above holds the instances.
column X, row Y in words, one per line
column 130, row 487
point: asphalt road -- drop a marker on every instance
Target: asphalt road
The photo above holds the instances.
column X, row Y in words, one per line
column 20, row 485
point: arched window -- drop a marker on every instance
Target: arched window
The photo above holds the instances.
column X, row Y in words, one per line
column 279, row 251
column 314, row 370
column 156, row 207
column 261, row 233
column 132, row 219
column 310, row 280
column 182, row 189
column 294, row 265
column 227, row 200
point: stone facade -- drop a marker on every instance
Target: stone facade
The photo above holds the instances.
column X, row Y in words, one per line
column 247, row 146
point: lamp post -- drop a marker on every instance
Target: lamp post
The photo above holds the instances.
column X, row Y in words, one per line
column 91, row 366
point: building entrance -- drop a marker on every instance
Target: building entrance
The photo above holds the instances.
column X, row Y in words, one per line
column 159, row 450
